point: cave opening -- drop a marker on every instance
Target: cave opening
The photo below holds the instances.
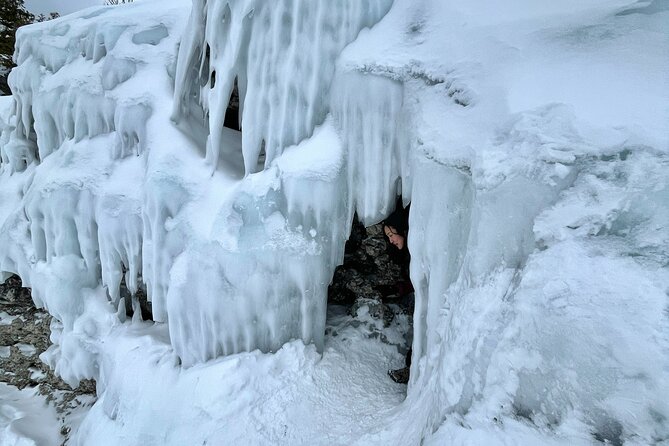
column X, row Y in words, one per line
column 136, row 304
column 232, row 118
column 371, row 289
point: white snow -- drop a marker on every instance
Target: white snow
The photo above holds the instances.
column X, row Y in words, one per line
column 293, row 396
column 26, row 419
column 26, row 349
column 531, row 139
column 7, row 319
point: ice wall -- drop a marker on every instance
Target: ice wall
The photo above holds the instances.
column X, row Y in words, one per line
column 282, row 56
column 531, row 229
column 112, row 192
column 77, row 210
column 538, row 220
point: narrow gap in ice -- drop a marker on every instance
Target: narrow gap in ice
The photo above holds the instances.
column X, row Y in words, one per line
column 134, row 297
column 372, row 287
column 232, row 116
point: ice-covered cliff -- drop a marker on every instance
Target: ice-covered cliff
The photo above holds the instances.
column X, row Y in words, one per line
column 531, row 141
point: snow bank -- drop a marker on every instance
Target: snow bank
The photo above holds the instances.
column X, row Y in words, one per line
column 531, row 142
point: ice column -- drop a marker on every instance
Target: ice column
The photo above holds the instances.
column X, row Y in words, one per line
column 289, row 225
column 369, row 112
column 440, row 223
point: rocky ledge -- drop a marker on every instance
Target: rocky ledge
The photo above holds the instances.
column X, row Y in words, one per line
column 24, row 335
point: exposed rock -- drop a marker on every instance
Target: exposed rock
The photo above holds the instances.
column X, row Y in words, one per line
column 367, row 274
column 24, row 335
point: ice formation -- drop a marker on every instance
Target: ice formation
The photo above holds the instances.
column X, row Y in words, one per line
column 264, row 254
column 238, row 41
column 539, row 189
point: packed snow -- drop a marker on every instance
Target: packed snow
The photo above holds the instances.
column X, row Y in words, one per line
column 531, row 139
column 26, row 419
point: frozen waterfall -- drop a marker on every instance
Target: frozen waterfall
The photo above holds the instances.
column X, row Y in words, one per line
column 539, row 190
column 253, row 272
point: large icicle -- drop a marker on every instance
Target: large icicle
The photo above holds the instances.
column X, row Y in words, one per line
column 368, row 111
column 262, row 277
column 283, row 56
column 74, row 160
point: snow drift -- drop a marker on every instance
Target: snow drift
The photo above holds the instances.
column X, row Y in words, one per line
column 527, row 140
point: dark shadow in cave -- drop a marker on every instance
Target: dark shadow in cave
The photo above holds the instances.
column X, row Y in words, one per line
column 369, row 268
column 373, row 279
column 137, row 301
column 232, row 113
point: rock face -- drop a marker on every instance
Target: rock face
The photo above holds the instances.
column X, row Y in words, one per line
column 368, row 275
column 24, row 335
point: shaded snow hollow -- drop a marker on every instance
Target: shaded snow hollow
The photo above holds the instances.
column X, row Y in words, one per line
column 531, row 140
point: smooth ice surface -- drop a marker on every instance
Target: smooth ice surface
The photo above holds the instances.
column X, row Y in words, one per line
column 531, row 140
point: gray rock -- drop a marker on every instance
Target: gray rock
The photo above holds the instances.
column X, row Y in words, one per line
column 368, row 272
column 23, row 368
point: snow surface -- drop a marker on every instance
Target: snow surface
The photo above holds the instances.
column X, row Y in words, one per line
column 531, row 139
column 26, row 419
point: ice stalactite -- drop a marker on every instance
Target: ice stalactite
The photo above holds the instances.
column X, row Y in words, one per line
column 368, row 111
column 162, row 242
column 284, row 59
column 268, row 284
column 120, row 235
column 77, row 218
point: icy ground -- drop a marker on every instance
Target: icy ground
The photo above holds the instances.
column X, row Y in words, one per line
column 293, row 397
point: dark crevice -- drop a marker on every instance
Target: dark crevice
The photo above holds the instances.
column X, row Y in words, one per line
column 372, row 273
column 262, row 156
column 139, row 299
column 232, row 113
